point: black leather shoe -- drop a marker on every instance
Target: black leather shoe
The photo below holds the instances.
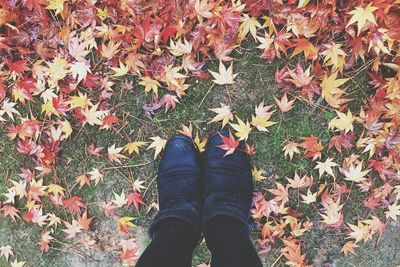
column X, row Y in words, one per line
column 228, row 185
column 179, row 183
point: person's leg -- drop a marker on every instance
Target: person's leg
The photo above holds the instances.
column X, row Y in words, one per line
column 229, row 243
column 226, row 211
column 172, row 245
column 177, row 226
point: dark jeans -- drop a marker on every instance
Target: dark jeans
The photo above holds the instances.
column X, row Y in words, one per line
column 175, row 241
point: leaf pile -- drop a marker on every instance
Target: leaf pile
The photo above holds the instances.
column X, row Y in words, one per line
column 61, row 61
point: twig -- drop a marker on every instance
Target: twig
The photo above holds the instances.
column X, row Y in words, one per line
column 204, row 97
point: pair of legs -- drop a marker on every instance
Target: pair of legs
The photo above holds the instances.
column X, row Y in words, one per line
column 206, row 193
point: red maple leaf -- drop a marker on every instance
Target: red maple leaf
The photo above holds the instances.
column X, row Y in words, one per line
column 135, row 199
column 74, row 204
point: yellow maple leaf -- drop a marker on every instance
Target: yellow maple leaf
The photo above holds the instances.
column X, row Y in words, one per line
column 158, row 144
column 242, row 129
column 122, row 70
column 79, row 101
column 56, row 5
column 349, row 247
column 49, row 109
column 225, row 76
column 200, row 144
column 343, row 122
column 55, row 189
column 124, row 223
column 249, row 25
column 172, row 74
column 134, row 147
column 330, row 86
column 334, row 56
column 358, row 232
column 58, row 69
column 258, row 174
column 362, row 15
column 149, row 84
column 224, row 114
column 303, row 3
column 65, row 128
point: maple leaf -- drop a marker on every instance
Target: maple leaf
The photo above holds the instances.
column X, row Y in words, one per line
column 242, row 129
column 108, row 208
column 6, row 251
column 93, row 116
column 249, row 25
column 261, row 120
column 124, row 223
column 138, row 185
column 225, row 76
column 82, row 180
column 95, row 176
column 349, row 247
column 8, row 108
column 297, row 182
column 334, row 56
column 224, row 114
column 169, row 101
column 309, row 198
column 84, row 221
column 290, row 148
column 58, row 69
column 281, row 193
column 302, row 3
column 72, row 228
column 258, row 174
column 120, row 71
column 149, row 84
column 229, row 144
column 134, row 147
column 361, row 16
column 186, row 130
column 172, row 74
column 73, row 204
column 283, row 104
column 330, row 86
column 343, row 122
column 56, row 5
column 17, row 263
column 79, row 70
column 120, row 200
column 158, row 144
column 393, row 211
column 200, row 144
column 312, row 146
column 305, row 46
column 359, row 232
column 135, row 199
column 203, row 8
column 355, row 174
column 11, row 211
column 326, row 167
column 114, row 154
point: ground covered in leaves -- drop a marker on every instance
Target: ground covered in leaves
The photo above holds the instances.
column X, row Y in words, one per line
column 90, row 93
